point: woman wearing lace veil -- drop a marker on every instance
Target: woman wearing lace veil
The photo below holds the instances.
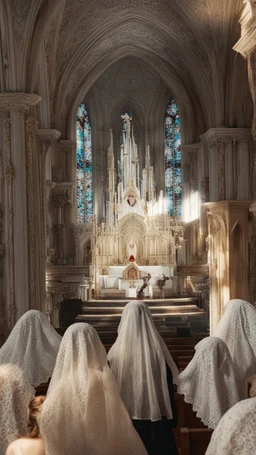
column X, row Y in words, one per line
column 15, row 395
column 236, row 431
column 83, row 412
column 237, row 329
column 33, row 345
column 208, row 382
column 144, row 371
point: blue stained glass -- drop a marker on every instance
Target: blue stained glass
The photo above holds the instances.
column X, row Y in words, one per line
column 173, row 177
column 84, row 166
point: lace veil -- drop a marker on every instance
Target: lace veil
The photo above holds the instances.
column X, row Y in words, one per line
column 208, row 382
column 237, row 329
column 33, row 345
column 15, row 395
column 83, row 413
column 138, row 361
column 236, row 431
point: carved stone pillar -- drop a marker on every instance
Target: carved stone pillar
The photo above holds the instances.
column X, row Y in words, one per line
column 59, row 242
column 69, row 153
column 46, row 138
column 246, row 46
column 242, row 165
column 229, row 162
column 228, row 254
column 221, row 171
column 49, row 185
column 19, row 150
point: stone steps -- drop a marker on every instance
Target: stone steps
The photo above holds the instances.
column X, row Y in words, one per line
column 112, row 293
column 100, row 303
column 155, row 310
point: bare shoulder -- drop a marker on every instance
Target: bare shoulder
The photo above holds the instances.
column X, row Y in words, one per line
column 26, row 446
column 11, row 449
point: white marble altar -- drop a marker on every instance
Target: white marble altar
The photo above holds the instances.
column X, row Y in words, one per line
column 137, row 225
column 114, row 278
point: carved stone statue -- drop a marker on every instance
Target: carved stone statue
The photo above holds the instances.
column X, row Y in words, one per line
column 161, row 283
column 145, row 279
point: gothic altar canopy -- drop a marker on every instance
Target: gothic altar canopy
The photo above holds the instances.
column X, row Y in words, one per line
column 138, row 227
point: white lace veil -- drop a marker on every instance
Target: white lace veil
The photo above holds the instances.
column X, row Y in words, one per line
column 83, row 413
column 138, row 361
column 237, row 328
column 208, row 382
column 236, row 431
column 15, row 395
column 33, row 345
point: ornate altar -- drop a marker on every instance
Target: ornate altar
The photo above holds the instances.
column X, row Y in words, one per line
column 138, row 226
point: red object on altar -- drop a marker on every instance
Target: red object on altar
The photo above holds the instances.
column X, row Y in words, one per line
column 131, row 258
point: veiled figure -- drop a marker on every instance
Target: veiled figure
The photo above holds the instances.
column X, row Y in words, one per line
column 236, row 431
column 83, row 412
column 15, row 395
column 237, row 329
column 33, row 345
column 144, row 371
column 209, row 382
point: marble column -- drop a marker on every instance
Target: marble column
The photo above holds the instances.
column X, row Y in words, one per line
column 229, row 162
column 46, row 138
column 228, row 254
column 19, row 150
column 246, row 46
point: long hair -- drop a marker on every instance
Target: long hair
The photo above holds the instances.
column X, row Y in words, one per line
column 35, row 407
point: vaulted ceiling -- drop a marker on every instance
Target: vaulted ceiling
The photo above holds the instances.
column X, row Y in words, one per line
column 64, row 49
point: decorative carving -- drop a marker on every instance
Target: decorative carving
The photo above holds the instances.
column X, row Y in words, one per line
column 62, row 198
column 59, row 242
column 131, row 272
column 205, row 189
column 18, row 101
column 10, row 210
column 9, row 172
column 221, row 171
column 49, row 185
column 50, row 260
column 30, row 126
column 57, row 173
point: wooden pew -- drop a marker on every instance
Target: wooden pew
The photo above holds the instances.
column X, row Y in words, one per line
column 186, row 418
column 194, row 441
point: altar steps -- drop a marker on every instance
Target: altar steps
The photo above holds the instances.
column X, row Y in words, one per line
column 170, row 302
column 168, row 314
column 112, row 293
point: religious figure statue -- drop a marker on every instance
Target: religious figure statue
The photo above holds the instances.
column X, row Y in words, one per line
column 131, row 202
column 145, row 279
column 132, row 250
column 161, row 283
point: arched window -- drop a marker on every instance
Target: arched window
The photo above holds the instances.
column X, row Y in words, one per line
column 173, row 183
column 84, row 166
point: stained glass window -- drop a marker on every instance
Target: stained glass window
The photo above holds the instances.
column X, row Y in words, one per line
column 84, row 166
column 173, row 183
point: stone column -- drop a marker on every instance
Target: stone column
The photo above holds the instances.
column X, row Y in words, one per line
column 46, row 138
column 69, row 151
column 228, row 254
column 246, row 46
column 228, row 162
column 242, row 164
column 18, row 154
column 229, row 182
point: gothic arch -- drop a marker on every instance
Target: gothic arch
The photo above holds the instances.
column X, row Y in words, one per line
column 66, row 122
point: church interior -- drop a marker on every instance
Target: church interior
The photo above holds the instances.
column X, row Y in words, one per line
column 128, row 172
